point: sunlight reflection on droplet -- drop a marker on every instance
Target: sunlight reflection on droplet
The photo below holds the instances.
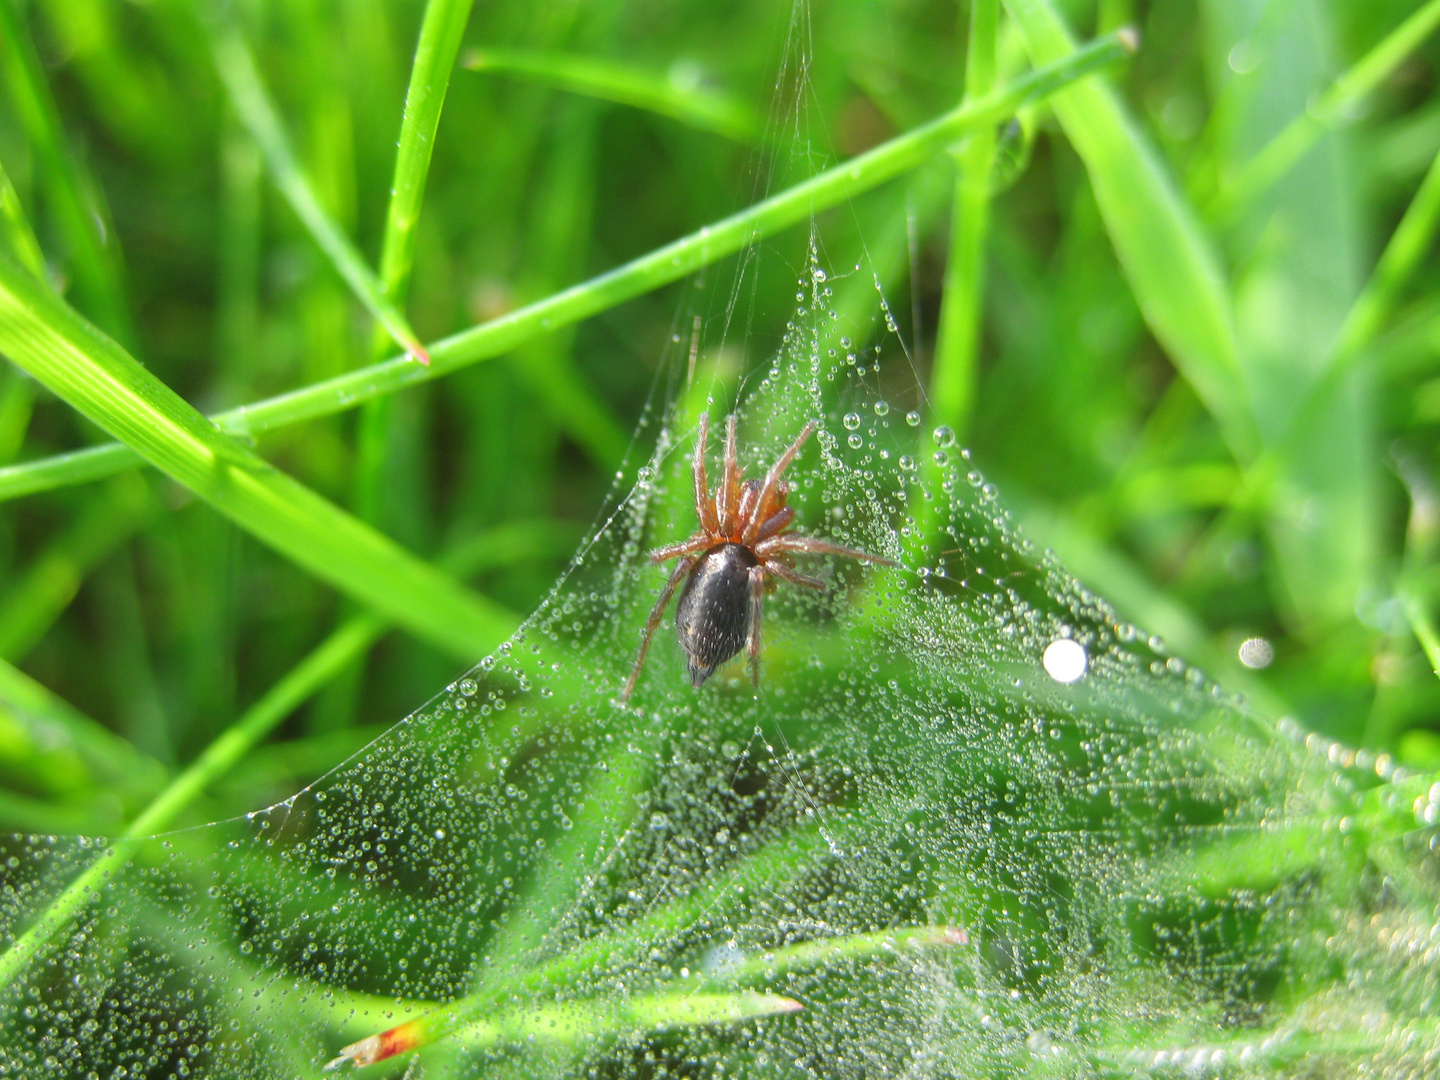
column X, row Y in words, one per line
column 1065, row 660
column 1256, row 652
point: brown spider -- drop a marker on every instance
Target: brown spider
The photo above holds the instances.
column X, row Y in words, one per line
column 741, row 543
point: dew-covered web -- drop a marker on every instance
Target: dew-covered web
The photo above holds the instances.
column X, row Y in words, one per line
column 970, row 823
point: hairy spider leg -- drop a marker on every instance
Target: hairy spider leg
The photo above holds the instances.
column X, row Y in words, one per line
column 752, row 510
column 704, row 507
column 772, row 478
column 698, row 542
column 683, row 567
column 809, row 545
column 749, row 492
column 757, row 609
column 790, row 574
column 728, row 493
column 776, row 522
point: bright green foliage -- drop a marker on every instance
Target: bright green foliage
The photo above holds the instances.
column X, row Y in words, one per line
column 1177, row 307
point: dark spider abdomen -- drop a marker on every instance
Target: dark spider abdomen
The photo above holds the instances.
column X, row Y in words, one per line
column 713, row 616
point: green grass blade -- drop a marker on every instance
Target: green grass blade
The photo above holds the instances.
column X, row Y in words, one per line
column 65, row 470
column 218, row 758
column 635, row 278
column 623, row 84
column 957, row 337
column 576, row 1020
column 439, row 43
column 38, row 722
column 556, row 248
column 80, row 365
column 496, row 547
column 952, row 380
column 19, row 237
column 1174, row 273
column 79, row 210
column 17, row 405
column 1413, row 238
column 258, row 113
column 1423, row 627
column 1286, row 148
column 767, row 866
column 31, row 602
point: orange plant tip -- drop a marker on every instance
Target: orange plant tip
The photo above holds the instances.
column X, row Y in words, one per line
column 377, row 1047
column 783, row 1004
column 418, row 352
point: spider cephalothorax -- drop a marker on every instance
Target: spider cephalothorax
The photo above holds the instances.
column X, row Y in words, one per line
column 726, row 566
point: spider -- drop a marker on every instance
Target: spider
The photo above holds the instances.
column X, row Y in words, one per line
column 728, row 564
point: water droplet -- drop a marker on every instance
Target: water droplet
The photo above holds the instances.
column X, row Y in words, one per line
column 855, row 442
column 882, row 408
column 941, row 458
column 944, row 437
column 907, row 462
column 912, row 418
column 646, row 474
column 851, row 421
column 1065, row 660
column 1256, row 652
column 818, row 274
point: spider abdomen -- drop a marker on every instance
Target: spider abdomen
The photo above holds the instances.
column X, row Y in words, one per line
column 713, row 616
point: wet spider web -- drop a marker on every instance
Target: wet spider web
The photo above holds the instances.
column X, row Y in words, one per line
column 972, row 823
column 935, row 842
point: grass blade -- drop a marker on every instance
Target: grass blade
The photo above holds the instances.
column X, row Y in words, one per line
column 88, row 235
column 635, row 278
column 258, row 113
column 34, row 599
column 623, row 84
column 952, row 381
column 957, row 337
column 1174, row 273
column 47, row 338
column 1285, row 149
column 574, row 1021
column 36, row 722
column 495, row 547
column 1410, row 242
column 1396, row 266
column 15, row 227
column 439, row 43
column 435, row 54
column 65, row 470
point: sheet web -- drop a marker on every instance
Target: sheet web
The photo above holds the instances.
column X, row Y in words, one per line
column 912, row 851
column 924, row 845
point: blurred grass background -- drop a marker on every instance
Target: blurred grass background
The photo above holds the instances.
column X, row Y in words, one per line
column 1286, row 492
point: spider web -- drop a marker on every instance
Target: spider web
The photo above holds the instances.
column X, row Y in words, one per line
column 914, row 851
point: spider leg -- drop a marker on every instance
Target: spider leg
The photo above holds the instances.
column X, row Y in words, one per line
column 683, row 567
column 772, row 478
column 790, row 574
column 684, row 547
column 748, row 494
column 728, row 493
column 776, row 522
column 809, row 545
column 704, row 506
column 757, row 609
